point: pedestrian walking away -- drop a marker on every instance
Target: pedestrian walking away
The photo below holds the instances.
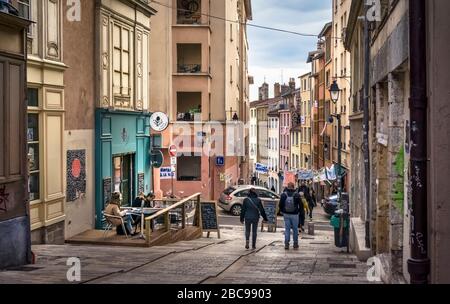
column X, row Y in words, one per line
column 290, row 206
column 305, row 212
column 252, row 210
column 313, row 203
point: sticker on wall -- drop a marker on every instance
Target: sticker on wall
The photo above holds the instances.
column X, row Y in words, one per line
column 76, row 174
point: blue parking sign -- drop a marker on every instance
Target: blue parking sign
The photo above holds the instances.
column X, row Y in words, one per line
column 220, row 161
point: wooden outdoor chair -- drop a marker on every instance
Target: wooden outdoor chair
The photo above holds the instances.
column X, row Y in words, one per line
column 110, row 225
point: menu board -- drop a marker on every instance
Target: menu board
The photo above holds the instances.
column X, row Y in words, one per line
column 271, row 211
column 107, row 188
column 209, row 216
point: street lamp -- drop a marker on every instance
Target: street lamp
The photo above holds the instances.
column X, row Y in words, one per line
column 335, row 93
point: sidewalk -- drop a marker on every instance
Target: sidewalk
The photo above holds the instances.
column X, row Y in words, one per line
column 206, row 261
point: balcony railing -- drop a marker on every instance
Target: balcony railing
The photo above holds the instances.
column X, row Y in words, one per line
column 189, row 116
column 189, row 68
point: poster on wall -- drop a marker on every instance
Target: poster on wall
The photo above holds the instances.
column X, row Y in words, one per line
column 141, row 183
column 76, row 174
column 107, row 190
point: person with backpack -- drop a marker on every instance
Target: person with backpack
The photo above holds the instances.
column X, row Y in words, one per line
column 290, row 205
column 252, row 210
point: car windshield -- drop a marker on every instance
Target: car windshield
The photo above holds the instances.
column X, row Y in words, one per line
column 229, row 190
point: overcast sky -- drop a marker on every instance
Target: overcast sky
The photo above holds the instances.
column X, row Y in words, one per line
column 273, row 54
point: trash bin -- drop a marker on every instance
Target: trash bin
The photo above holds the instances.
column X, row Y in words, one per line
column 341, row 234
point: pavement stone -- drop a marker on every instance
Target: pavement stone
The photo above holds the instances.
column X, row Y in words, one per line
column 207, row 261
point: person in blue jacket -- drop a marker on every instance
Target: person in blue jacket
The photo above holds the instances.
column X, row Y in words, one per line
column 252, row 210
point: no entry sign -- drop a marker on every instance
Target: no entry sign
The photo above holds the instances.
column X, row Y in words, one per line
column 173, row 151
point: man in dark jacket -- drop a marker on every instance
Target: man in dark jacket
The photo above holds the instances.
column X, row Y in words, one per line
column 290, row 205
column 252, row 209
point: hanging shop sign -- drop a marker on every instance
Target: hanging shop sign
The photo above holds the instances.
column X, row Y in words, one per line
column 159, row 121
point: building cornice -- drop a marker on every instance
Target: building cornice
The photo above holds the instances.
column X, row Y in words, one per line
column 355, row 8
column 248, row 9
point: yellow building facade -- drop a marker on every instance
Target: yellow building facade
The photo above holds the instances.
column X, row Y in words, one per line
column 306, row 135
column 46, row 110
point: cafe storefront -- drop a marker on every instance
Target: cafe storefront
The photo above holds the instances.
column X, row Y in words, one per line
column 123, row 158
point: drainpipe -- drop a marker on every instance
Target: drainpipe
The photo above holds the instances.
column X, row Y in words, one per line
column 366, row 125
column 419, row 263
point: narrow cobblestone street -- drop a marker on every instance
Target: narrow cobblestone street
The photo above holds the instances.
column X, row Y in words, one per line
column 204, row 261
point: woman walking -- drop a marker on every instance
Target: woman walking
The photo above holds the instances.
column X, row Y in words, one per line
column 252, row 210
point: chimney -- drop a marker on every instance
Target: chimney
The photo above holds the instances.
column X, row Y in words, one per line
column 285, row 89
column 264, row 92
column 292, row 83
column 277, row 90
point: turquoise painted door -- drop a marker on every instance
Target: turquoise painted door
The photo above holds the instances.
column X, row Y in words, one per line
column 124, row 136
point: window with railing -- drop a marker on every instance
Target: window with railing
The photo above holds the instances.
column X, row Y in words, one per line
column 189, row 58
column 189, row 106
column 189, row 12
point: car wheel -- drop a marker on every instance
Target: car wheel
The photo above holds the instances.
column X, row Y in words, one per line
column 236, row 210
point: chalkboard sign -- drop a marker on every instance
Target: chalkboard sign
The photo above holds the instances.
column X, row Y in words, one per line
column 107, row 188
column 209, row 217
column 271, row 208
column 141, row 183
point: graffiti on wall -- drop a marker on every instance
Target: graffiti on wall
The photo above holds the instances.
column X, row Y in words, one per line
column 3, row 199
column 76, row 174
column 398, row 195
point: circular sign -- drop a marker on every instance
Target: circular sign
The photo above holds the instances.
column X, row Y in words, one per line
column 157, row 159
column 173, row 151
column 159, row 121
column 76, row 168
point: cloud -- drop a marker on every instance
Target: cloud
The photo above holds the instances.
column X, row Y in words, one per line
column 274, row 53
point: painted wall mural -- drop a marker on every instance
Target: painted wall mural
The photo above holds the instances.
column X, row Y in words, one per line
column 76, row 174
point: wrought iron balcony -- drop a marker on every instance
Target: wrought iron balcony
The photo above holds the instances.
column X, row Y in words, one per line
column 189, row 68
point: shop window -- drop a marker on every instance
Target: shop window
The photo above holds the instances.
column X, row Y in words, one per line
column 33, row 140
column 189, row 168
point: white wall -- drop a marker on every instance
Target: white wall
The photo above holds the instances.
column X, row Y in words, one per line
column 80, row 213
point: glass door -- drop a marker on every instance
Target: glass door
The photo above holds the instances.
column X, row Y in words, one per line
column 123, row 177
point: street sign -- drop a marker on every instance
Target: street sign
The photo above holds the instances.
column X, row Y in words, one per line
column 173, row 151
column 173, row 168
column 157, row 159
column 261, row 168
column 220, row 161
column 173, row 161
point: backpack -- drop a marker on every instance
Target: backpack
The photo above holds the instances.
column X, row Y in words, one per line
column 289, row 205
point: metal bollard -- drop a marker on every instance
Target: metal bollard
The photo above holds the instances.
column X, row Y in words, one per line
column 311, row 228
